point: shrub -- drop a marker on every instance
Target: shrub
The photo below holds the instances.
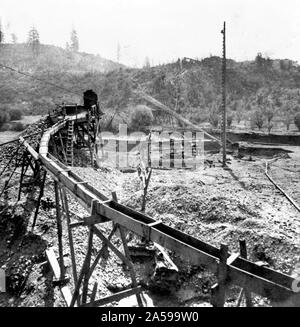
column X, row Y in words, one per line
column 5, row 127
column 116, row 122
column 297, row 121
column 4, row 117
column 214, row 119
column 239, row 116
column 257, row 119
column 18, row 127
column 269, row 113
column 229, row 120
column 201, row 117
column 140, row 118
column 15, row 114
column 110, row 122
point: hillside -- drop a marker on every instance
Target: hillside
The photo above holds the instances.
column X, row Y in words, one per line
column 259, row 92
column 52, row 64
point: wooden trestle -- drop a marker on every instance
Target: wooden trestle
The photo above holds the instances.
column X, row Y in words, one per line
column 229, row 268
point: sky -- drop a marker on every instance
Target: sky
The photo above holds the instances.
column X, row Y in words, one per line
column 163, row 30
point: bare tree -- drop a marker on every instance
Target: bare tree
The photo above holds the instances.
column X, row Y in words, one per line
column 214, row 116
column 269, row 113
column 145, row 176
column 288, row 119
column 257, row 119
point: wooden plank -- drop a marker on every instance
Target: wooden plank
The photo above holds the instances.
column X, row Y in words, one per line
column 53, row 263
column 30, row 149
column 232, row 258
column 66, row 293
column 59, row 229
column 115, row 297
column 244, row 254
column 166, row 257
column 64, row 200
column 87, row 263
column 219, row 290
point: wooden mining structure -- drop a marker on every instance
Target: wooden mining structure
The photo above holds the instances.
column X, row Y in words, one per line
column 76, row 127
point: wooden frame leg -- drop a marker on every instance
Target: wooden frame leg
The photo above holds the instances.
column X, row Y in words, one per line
column 219, row 290
column 71, row 243
column 59, row 231
column 244, row 291
column 39, row 200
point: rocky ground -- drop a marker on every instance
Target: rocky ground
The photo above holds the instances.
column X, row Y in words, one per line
column 213, row 204
column 223, row 206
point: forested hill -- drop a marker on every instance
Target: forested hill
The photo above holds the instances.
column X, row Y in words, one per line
column 52, row 64
column 256, row 89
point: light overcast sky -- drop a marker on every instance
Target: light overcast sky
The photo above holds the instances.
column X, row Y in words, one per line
column 163, row 30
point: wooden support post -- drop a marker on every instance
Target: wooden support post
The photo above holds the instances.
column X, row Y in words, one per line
column 89, row 140
column 26, row 161
column 21, row 177
column 94, row 293
column 172, row 153
column 182, row 152
column 219, row 289
column 53, row 143
column 127, row 255
column 87, row 266
column 101, row 252
column 59, row 230
column 39, row 199
column 244, row 291
column 131, row 268
column 83, row 271
column 194, row 144
column 62, row 147
column 71, row 244
column 160, row 153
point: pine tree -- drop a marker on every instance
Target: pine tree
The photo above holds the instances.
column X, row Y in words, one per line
column 1, row 33
column 74, row 46
column 34, row 40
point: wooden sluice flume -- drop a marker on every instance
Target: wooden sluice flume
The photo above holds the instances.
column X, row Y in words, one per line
column 52, row 158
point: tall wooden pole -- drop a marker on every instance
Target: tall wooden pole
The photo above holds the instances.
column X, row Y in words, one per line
column 224, row 116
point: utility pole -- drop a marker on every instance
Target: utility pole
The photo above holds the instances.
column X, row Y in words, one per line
column 224, row 116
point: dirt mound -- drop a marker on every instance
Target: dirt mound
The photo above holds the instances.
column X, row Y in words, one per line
column 20, row 249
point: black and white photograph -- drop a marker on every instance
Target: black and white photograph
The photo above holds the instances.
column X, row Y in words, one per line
column 149, row 156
